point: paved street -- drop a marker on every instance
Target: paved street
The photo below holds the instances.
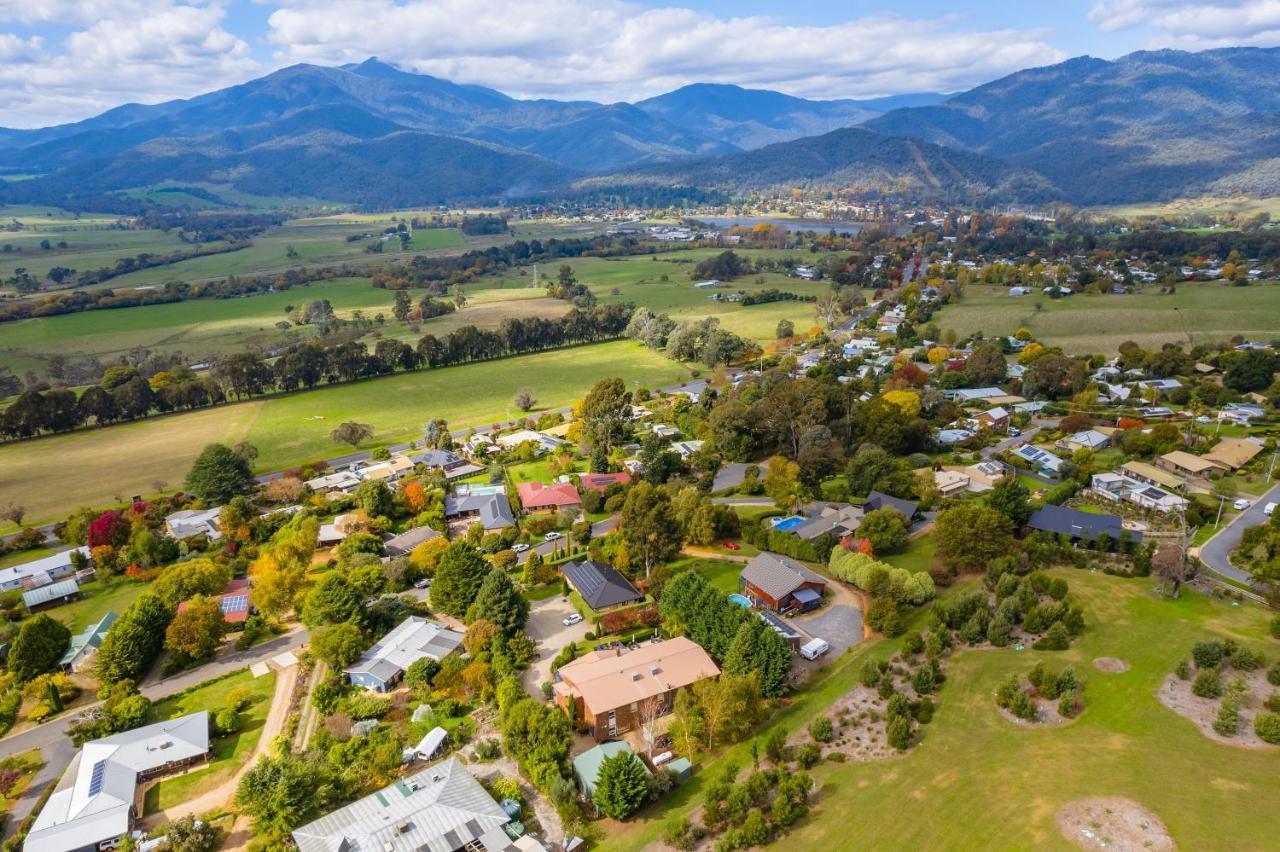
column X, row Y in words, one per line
column 546, row 548
column 1216, row 552
column 1010, row 443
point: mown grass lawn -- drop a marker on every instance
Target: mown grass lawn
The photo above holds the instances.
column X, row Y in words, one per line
column 96, row 600
column 721, row 573
column 1100, row 323
column 27, row 764
column 977, row 782
column 228, row 753
column 916, row 556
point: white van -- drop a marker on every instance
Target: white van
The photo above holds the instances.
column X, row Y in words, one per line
column 814, row 648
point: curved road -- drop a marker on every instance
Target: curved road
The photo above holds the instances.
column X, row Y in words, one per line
column 1216, row 552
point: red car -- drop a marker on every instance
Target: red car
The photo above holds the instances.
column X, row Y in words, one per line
column 732, row 545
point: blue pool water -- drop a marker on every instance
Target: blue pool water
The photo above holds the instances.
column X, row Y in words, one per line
column 740, row 600
column 786, row 524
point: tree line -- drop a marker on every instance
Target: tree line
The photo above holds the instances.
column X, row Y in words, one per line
column 124, row 394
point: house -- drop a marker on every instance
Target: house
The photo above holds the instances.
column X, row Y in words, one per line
column 1161, row 385
column 540, row 497
column 1117, row 486
column 1186, row 464
column 1089, row 439
column 381, row 667
column 586, row 766
column 388, row 471
column 480, row 445
column 404, row 543
column 341, row 527
column 40, row 572
column 342, row 482
column 600, row 585
column 780, row 583
column 950, row 482
column 193, row 522
column 951, row 437
column 1152, row 475
column 52, row 595
column 808, row 273
column 1077, row 525
column 602, row 481
column 665, row 432
column 684, row 449
column 613, row 688
column 963, row 396
column 1233, row 453
column 493, row 511
column 694, row 390
column 995, row 419
column 443, row 807
column 1155, row 412
column 452, row 465
column 983, row 476
column 878, row 500
column 840, row 519
column 543, row 443
column 86, row 643
column 234, row 600
column 1241, row 412
column 95, row 801
column 1042, row 461
column 706, row 285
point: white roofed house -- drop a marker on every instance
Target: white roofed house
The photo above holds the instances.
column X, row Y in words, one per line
column 1117, row 486
column 381, row 667
column 192, row 522
column 95, row 800
column 40, row 572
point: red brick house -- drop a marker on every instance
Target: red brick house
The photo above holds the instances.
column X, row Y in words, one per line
column 780, row 583
column 540, row 497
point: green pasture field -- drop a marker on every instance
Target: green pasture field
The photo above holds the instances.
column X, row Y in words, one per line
column 53, row 475
column 1100, row 323
column 87, row 247
column 977, row 781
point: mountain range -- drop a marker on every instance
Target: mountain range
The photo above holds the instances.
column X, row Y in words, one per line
column 1150, row 125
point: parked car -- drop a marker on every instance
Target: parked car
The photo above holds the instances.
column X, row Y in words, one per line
column 1268, row 509
column 1204, row 418
column 1015, row 432
column 572, row 619
column 1240, row 505
column 552, row 536
column 733, row 545
column 424, row 583
column 519, row 548
column 814, row 648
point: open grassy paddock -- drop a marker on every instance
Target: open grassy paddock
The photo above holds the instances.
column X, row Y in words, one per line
column 977, row 781
column 53, row 475
column 1100, row 323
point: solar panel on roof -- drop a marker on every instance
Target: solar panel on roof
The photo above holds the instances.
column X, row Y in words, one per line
column 235, row 603
column 95, row 780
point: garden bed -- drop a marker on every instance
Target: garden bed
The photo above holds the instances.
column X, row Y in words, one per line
column 1116, row 824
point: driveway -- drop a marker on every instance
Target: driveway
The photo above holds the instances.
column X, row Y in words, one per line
column 546, row 628
column 1216, row 552
column 839, row 622
column 546, row 548
column 1010, row 443
column 732, row 475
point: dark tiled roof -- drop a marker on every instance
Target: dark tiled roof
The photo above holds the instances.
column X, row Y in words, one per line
column 1077, row 524
column 877, row 500
column 599, row 584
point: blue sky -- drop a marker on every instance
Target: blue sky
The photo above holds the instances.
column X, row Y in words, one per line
column 62, row 60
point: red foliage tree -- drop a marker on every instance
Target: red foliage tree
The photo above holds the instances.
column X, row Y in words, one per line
column 108, row 528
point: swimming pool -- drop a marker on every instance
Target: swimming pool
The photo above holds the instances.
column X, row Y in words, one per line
column 741, row 600
column 787, row 524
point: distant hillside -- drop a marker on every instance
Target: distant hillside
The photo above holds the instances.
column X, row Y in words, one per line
column 854, row 159
column 1150, row 125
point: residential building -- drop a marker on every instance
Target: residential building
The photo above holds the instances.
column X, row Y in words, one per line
column 1188, row 465
column 40, row 572
column 391, row 470
column 1241, row 412
column 340, row 482
column 950, row 437
column 1042, row 461
column 234, row 601
column 1079, row 526
column 1117, row 486
column 493, row 511
column 52, row 595
column 541, row 497
column 586, row 766
column 780, row 583
column 879, row 500
column 86, row 643
column 443, row 808
column 543, row 443
column 613, row 688
column 404, row 543
column 452, row 465
column 1089, row 439
column 1161, row 385
column 342, row 526
column 963, row 396
column 950, row 482
column 602, row 481
column 600, row 585
column 193, row 522
column 94, row 802
column 983, row 476
column 996, row 419
column 840, row 519
column 381, row 667
column 694, row 390
column 1152, row 475
column 684, row 449
column 1234, row 453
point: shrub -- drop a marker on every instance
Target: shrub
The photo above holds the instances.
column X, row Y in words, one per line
column 1273, row 702
column 1267, row 726
column 1273, row 674
column 503, row 787
column 882, row 617
column 775, row 745
column 913, row 643
column 489, row 750
column 1207, row 684
column 1070, row 705
column 808, row 755
column 1183, row 671
column 1057, row 639
column 227, row 721
column 1022, row 706
column 1227, row 724
column 1247, row 660
column 870, row 676
column 899, row 733
column 239, row 698
column 680, row 834
column 1275, row 627
column 821, row 729
column 368, row 705
column 1208, row 654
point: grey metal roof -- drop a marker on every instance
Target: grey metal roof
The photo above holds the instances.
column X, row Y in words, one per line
column 410, row 641
column 402, row 544
column 1077, row 524
column 441, row 809
column 835, row 517
column 879, row 500
column 494, row 509
column 90, row 636
column 44, row 594
column 777, row 575
column 600, row 584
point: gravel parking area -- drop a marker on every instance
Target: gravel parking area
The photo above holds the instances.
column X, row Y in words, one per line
column 546, row 628
column 839, row 624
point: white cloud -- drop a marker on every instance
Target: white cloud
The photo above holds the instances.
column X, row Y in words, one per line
column 1194, row 25
column 614, row 50
column 171, row 51
column 16, row 49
